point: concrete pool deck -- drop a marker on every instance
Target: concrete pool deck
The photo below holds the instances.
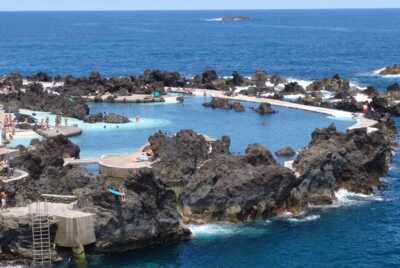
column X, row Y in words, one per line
column 66, row 131
column 123, row 165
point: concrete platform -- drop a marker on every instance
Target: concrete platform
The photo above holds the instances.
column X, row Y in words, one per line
column 74, row 227
column 122, row 166
column 66, row 131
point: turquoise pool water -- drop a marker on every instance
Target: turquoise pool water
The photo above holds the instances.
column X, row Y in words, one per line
column 287, row 127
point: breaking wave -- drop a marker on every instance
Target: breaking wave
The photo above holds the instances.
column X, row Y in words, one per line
column 215, row 19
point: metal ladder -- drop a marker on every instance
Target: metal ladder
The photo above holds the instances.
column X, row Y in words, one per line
column 41, row 242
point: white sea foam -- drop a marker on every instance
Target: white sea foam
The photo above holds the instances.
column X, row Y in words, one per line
column 226, row 230
column 211, row 230
column 293, row 97
column 304, row 219
column 362, row 98
column 347, row 198
column 301, row 82
column 215, row 19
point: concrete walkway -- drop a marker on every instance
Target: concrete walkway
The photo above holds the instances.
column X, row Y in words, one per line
column 360, row 120
column 18, row 175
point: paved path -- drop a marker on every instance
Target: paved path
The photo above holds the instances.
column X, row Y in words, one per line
column 20, row 176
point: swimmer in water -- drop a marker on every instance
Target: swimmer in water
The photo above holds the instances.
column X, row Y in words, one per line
column 105, row 126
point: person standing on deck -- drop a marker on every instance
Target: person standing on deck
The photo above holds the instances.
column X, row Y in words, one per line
column 3, row 197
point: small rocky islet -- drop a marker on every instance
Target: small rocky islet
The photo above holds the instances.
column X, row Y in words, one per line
column 194, row 180
column 390, row 70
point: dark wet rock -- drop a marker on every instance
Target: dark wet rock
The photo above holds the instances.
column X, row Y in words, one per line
column 218, row 103
column 347, row 104
column 260, row 78
column 264, row 108
column 371, row 92
column 237, row 188
column 312, row 100
column 286, row 152
column 354, row 161
column 209, row 76
column 47, row 154
column 148, row 217
column 237, row 79
column 37, row 99
column 276, row 79
column 16, row 241
column 12, row 81
column 384, row 105
column 41, row 77
column 391, row 70
column 257, row 154
column 393, row 91
column 238, row 107
column 221, row 103
column 110, row 118
column 293, row 88
column 180, row 155
column 334, row 84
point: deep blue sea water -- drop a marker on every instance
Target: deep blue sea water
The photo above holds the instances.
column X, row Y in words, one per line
column 301, row 44
column 359, row 232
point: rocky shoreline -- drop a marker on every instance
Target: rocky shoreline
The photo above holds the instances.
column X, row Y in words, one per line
column 67, row 95
column 193, row 180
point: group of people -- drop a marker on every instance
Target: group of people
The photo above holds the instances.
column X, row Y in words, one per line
column 8, row 128
column 45, row 123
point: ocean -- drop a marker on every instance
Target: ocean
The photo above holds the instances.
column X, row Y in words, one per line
column 358, row 231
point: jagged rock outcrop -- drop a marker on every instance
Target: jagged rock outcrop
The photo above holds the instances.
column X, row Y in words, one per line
column 110, row 118
column 381, row 104
column 220, row 103
column 293, row 88
column 148, row 217
column 354, row 161
column 286, row 152
column 334, row 84
column 264, row 108
column 232, row 188
column 179, row 156
column 37, row 99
